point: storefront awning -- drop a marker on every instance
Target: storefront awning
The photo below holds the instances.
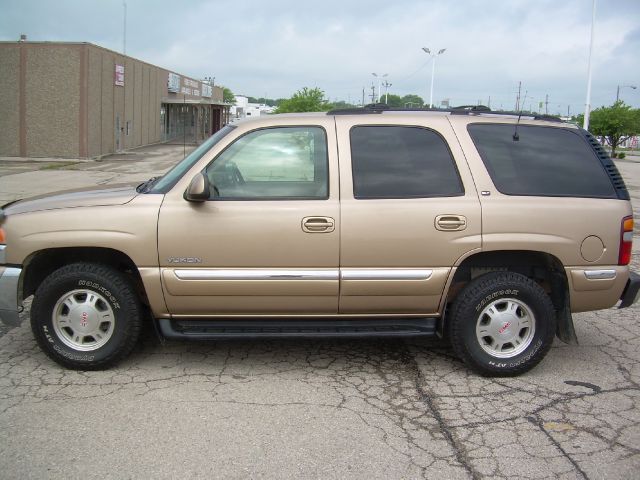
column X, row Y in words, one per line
column 194, row 102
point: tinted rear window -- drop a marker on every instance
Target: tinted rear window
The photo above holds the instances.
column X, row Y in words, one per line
column 546, row 161
column 402, row 162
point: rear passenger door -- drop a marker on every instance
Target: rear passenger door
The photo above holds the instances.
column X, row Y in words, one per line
column 409, row 212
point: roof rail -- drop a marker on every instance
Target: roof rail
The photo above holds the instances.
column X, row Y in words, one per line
column 378, row 108
column 472, row 108
column 370, row 108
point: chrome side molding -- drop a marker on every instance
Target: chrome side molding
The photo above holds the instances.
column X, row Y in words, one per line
column 303, row 274
column 385, row 274
column 256, row 274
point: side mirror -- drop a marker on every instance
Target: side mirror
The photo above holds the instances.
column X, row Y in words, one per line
column 199, row 189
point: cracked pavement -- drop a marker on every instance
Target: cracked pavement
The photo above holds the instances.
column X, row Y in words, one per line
column 325, row 408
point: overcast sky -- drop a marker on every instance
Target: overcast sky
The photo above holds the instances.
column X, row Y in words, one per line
column 275, row 47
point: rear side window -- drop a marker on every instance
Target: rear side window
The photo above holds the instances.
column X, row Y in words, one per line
column 402, row 162
column 545, row 161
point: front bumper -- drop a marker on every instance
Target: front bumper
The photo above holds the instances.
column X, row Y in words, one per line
column 9, row 305
column 631, row 293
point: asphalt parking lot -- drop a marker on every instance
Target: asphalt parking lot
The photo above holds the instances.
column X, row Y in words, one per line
column 314, row 409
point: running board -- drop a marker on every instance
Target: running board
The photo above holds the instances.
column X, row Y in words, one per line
column 248, row 329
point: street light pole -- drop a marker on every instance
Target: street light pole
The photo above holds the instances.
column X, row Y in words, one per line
column 124, row 29
column 587, row 109
column 623, row 86
column 433, row 70
column 379, row 76
column 386, row 91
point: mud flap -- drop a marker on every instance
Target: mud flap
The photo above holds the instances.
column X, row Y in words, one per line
column 561, row 300
column 565, row 330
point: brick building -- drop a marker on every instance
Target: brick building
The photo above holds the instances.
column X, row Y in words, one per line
column 81, row 100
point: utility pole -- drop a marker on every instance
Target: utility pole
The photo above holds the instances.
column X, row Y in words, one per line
column 489, row 102
column 546, row 105
column 379, row 76
column 518, row 97
column 363, row 96
column 373, row 93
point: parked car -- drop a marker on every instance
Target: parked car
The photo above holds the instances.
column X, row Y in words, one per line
column 484, row 228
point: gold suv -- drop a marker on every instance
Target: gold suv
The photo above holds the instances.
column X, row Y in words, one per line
column 488, row 229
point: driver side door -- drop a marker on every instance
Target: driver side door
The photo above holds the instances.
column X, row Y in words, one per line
column 267, row 240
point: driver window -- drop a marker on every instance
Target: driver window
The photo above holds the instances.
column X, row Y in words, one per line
column 273, row 163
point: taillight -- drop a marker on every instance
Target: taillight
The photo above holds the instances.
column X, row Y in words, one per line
column 2, row 238
column 626, row 241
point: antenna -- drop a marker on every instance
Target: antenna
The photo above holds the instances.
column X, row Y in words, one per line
column 516, row 137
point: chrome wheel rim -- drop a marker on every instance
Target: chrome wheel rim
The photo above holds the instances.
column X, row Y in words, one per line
column 83, row 320
column 505, row 328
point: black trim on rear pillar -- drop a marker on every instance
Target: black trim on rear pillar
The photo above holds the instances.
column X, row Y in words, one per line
column 278, row 328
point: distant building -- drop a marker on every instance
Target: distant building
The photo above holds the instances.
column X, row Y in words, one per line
column 244, row 109
column 81, row 100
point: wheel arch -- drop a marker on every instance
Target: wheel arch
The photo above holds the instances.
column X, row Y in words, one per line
column 42, row 263
column 542, row 267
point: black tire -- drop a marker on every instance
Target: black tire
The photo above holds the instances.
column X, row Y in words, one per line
column 102, row 325
column 507, row 307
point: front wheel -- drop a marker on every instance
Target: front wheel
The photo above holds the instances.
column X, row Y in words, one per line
column 502, row 324
column 86, row 316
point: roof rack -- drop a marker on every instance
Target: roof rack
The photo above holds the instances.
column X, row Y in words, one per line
column 378, row 108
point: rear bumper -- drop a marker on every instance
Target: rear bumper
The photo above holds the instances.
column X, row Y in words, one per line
column 631, row 293
column 9, row 307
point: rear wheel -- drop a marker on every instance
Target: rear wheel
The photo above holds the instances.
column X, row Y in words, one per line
column 86, row 316
column 502, row 324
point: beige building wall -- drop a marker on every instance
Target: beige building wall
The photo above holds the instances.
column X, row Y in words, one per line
column 52, row 100
column 9, row 101
column 60, row 99
column 94, row 107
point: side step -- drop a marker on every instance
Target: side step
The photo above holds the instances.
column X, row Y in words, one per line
column 270, row 328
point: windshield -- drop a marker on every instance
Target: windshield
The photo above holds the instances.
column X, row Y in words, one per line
column 166, row 182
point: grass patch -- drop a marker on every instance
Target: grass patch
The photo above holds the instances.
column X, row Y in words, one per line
column 58, row 165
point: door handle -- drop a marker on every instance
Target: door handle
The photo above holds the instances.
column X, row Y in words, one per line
column 451, row 223
column 318, row 224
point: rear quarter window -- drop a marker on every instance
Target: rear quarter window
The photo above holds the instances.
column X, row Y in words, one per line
column 545, row 161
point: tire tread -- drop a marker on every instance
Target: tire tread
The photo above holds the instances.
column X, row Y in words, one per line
column 126, row 296
column 467, row 299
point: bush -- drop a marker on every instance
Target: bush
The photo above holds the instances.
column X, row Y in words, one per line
column 622, row 155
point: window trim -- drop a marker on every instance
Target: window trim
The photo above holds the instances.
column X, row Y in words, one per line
column 491, row 171
column 279, row 199
column 462, row 192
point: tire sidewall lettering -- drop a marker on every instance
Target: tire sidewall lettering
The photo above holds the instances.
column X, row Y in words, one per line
column 100, row 289
column 525, row 357
column 499, row 293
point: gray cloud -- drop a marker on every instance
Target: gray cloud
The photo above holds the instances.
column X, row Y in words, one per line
column 274, row 48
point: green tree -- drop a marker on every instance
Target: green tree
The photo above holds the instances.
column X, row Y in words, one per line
column 305, row 100
column 392, row 100
column 228, row 96
column 615, row 123
column 414, row 100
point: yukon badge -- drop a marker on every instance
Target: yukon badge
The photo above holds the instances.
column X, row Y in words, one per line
column 184, row 260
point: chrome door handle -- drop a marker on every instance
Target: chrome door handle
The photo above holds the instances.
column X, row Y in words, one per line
column 318, row 224
column 451, row 223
